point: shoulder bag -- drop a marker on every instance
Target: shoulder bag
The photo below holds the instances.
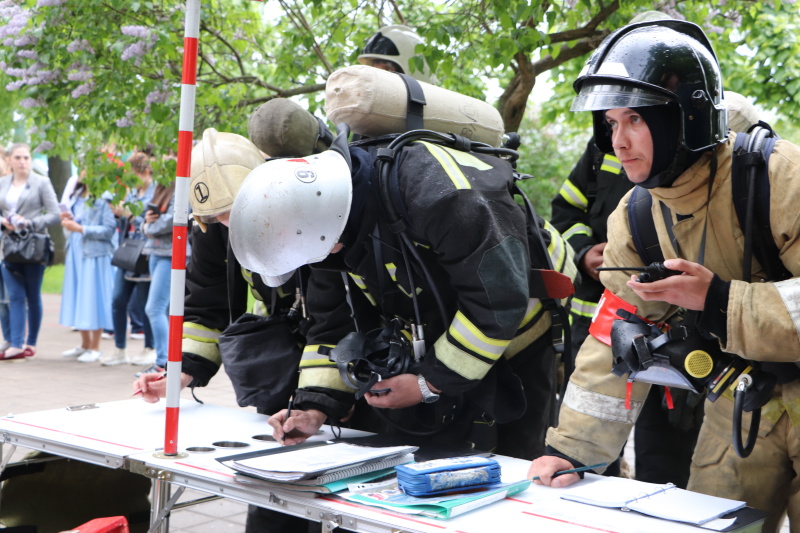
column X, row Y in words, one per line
column 28, row 247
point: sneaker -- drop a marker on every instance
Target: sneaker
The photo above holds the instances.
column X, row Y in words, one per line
column 139, row 335
column 74, row 352
column 147, row 357
column 5, row 345
column 106, row 335
column 90, row 356
column 118, row 358
column 150, row 370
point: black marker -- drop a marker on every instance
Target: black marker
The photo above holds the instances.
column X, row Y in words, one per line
column 288, row 414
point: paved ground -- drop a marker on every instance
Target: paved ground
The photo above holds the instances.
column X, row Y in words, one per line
column 50, row 381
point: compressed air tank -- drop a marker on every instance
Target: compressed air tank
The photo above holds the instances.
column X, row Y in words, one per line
column 373, row 102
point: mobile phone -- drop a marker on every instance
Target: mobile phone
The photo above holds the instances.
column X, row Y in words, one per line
column 63, row 208
column 154, row 208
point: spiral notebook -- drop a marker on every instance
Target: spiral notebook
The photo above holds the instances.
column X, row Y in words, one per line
column 317, row 463
column 661, row 501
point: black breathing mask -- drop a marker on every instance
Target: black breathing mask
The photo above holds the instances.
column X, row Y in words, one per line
column 364, row 359
column 682, row 357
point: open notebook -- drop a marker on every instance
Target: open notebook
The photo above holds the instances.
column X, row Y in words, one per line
column 661, row 501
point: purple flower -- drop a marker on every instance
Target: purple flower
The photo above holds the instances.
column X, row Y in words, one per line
column 28, row 54
column 44, row 147
column 142, row 32
column 83, row 89
column 124, row 122
column 14, row 85
column 49, row 3
column 79, row 45
column 27, row 103
column 82, row 74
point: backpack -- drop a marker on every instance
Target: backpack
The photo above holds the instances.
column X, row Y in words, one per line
column 751, row 195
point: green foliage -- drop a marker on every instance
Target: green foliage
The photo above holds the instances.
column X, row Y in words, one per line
column 83, row 76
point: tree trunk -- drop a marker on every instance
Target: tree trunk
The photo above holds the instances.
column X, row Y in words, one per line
column 514, row 99
column 60, row 171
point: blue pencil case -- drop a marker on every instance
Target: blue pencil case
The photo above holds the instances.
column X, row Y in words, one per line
column 446, row 475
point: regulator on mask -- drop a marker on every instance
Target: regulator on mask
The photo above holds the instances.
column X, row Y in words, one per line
column 680, row 356
column 364, row 359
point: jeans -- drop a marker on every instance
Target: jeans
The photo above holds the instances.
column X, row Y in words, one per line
column 135, row 311
column 157, row 307
column 127, row 294
column 5, row 326
column 23, row 283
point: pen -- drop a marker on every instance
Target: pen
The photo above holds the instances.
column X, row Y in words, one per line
column 572, row 470
column 139, row 391
column 288, row 414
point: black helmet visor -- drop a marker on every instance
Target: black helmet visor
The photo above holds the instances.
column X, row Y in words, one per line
column 603, row 95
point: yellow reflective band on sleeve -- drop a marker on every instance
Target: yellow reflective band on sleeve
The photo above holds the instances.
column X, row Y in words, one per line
column 601, row 406
column 312, row 357
column 530, row 335
column 206, row 350
column 322, row 377
column 473, row 339
column 449, row 165
column 200, row 333
column 574, row 196
column 557, row 248
column 459, row 361
column 392, row 269
column 577, row 229
column 247, row 275
column 611, row 164
column 534, row 308
column 359, row 281
column 583, row 308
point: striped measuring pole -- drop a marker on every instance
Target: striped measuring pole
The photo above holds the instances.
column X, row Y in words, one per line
column 181, row 224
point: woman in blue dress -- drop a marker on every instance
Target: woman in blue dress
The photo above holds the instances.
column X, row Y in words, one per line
column 88, row 281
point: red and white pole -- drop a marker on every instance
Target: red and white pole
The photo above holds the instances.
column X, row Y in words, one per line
column 180, row 223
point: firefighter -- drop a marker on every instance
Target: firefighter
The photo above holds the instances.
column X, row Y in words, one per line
column 465, row 282
column 656, row 94
column 393, row 48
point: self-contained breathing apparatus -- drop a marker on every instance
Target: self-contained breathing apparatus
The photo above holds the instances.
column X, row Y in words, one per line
column 678, row 354
column 366, row 358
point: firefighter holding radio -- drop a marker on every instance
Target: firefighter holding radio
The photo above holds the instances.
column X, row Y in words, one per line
column 714, row 316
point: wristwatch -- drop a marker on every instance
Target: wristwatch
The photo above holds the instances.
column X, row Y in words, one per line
column 428, row 396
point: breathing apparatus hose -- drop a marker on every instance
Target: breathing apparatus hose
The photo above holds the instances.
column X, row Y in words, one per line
column 745, row 381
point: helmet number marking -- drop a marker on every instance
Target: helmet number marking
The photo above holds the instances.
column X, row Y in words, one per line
column 305, row 174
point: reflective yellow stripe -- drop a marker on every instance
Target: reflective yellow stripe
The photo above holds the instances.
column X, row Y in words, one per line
column 611, row 164
column 392, row 269
column 200, row 333
column 312, row 357
column 577, row 229
column 322, row 377
column 459, row 361
column 534, row 307
column 247, row 275
column 449, row 165
column 206, row 350
column 473, row 339
column 574, row 196
column 557, row 248
column 583, row 307
column 359, row 281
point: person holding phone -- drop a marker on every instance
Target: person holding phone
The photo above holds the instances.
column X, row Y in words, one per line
column 157, row 228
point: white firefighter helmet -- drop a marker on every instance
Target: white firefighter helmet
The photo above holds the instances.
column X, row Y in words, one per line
column 397, row 44
column 220, row 162
column 289, row 213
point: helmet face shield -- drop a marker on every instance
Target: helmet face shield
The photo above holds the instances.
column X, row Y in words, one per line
column 602, row 96
column 396, row 44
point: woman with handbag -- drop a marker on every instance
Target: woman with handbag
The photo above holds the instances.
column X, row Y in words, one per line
column 88, row 282
column 28, row 206
column 158, row 230
column 131, row 289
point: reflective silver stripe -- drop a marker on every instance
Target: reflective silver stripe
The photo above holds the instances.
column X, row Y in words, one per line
column 322, row 377
column 557, row 248
column 200, row 333
column 583, row 307
column 577, row 229
column 573, row 196
column 611, row 164
column 312, row 357
column 473, row 339
column 534, row 307
column 600, row 405
column 790, row 294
